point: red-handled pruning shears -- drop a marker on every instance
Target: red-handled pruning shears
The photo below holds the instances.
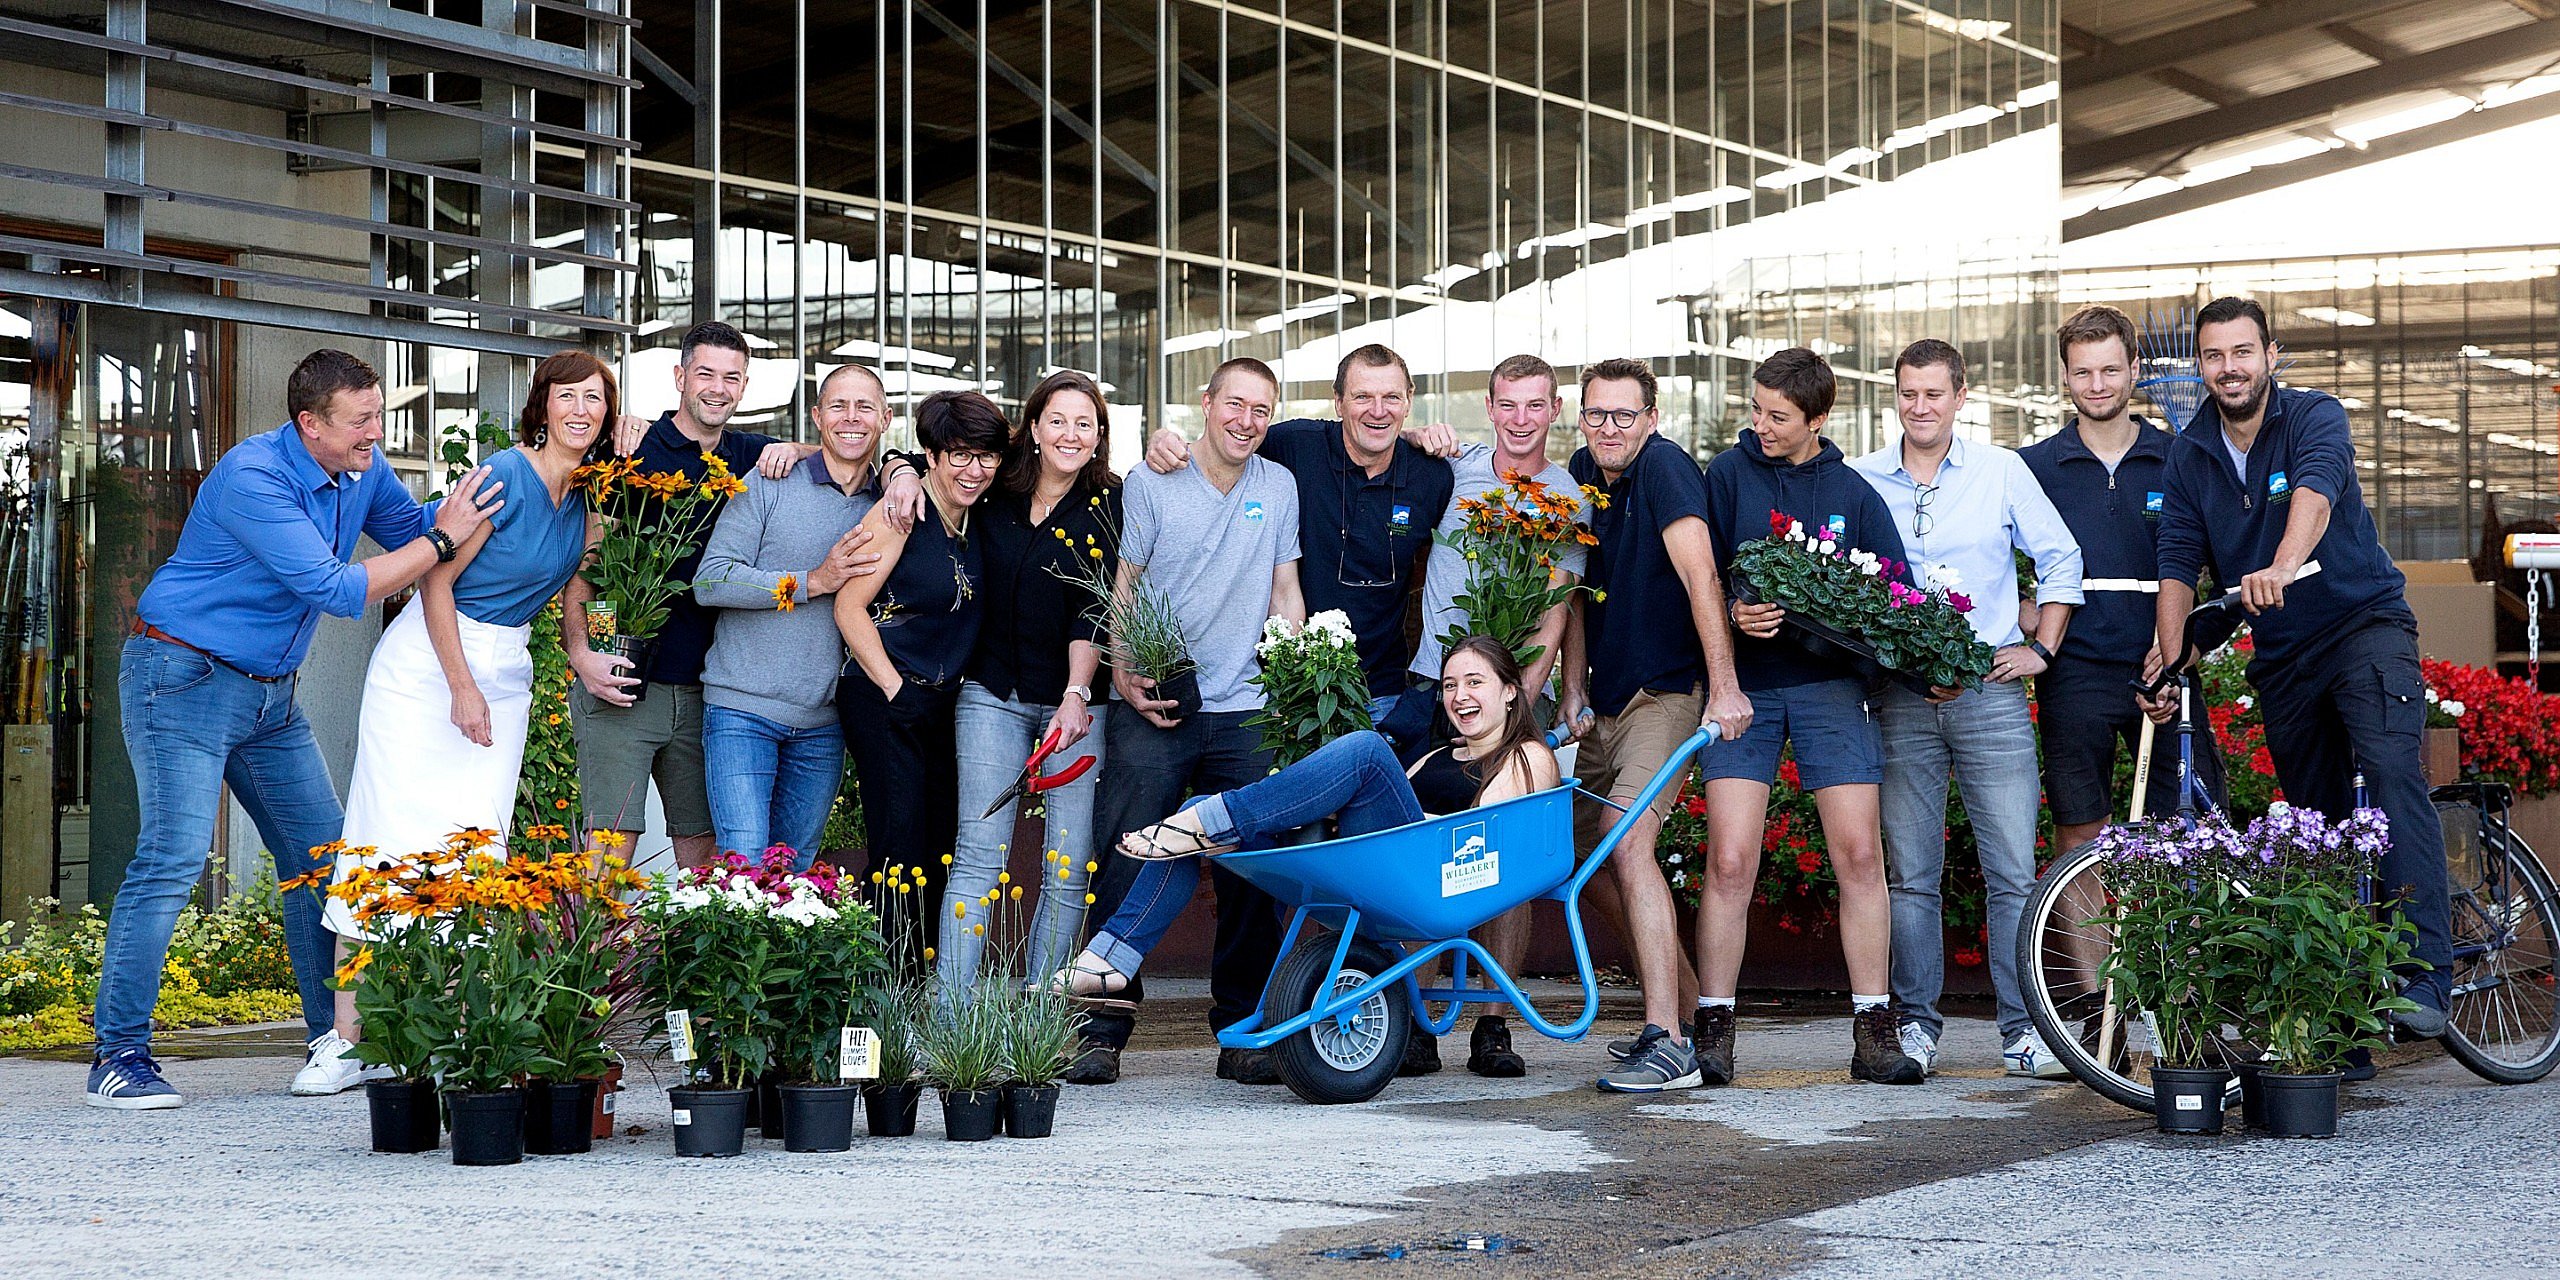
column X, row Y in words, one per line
column 1032, row 782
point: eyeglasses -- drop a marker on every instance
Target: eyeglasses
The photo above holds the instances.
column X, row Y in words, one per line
column 974, row 458
column 1619, row 418
column 1367, row 577
column 1920, row 520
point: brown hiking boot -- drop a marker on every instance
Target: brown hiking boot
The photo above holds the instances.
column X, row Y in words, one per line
column 1879, row 1057
column 1714, row 1041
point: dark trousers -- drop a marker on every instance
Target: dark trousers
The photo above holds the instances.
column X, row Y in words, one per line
column 2085, row 712
column 1145, row 776
column 907, row 758
column 2359, row 706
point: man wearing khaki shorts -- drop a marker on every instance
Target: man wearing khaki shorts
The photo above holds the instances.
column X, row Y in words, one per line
column 1655, row 619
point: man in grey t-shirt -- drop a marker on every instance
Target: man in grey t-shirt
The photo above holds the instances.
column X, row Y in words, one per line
column 1220, row 540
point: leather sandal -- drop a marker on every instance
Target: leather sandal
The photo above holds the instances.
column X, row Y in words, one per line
column 1164, row 842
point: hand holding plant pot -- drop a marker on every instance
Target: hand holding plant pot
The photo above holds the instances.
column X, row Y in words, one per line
column 1859, row 602
column 652, row 520
column 1313, row 690
column 1141, row 634
column 1514, row 540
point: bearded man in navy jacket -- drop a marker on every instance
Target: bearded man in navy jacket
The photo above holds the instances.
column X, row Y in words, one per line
column 2260, row 484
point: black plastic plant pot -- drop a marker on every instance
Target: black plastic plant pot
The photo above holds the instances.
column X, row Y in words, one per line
column 890, row 1109
column 709, row 1122
column 2189, row 1099
column 1030, row 1111
column 1184, row 689
column 637, row 650
column 405, row 1120
column 2253, row 1096
column 818, row 1117
column 559, row 1117
column 488, row 1128
column 969, row 1115
column 768, row 1108
column 2301, row 1106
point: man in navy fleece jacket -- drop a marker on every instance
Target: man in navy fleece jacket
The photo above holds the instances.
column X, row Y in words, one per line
column 2261, row 483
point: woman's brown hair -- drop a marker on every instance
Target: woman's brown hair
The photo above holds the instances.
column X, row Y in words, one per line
column 1021, row 472
column 566, row 368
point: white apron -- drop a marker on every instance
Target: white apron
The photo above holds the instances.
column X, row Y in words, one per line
column 417, row 779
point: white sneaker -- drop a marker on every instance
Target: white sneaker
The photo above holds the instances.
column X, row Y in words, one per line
column 333, row 1068
column 1921, row 1047
column 2028, row 1056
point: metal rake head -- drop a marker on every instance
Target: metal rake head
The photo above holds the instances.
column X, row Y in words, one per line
column 2165, row 368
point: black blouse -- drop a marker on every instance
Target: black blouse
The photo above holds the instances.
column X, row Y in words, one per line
column 1032, row 615
column 929, row 610
column 1444, row 784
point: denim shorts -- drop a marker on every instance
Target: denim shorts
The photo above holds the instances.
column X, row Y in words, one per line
column 1837, row 739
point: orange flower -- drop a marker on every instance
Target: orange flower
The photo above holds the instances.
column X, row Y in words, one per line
column 355, row 966
column 783, row 592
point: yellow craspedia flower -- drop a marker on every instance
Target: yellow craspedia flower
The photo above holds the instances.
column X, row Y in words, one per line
column 928, row 953
column 1093, row 866
column 1004, row 877
column 978, row 929
column 1017, row 893
column 959, row 910
column 1088, row 899
column 946, row 861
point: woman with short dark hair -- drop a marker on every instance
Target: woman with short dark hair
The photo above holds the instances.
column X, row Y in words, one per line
column 910, row 628
column 448, row 695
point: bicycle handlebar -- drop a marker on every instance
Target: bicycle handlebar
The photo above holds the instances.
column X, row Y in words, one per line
column 2209, row 626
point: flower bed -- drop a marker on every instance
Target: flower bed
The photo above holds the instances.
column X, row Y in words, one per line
column 226, row 966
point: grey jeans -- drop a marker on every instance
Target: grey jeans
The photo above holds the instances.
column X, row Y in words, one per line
column 1987, row 742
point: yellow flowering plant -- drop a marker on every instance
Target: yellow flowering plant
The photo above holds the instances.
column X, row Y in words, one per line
column 652, row 520
column 1514, row 541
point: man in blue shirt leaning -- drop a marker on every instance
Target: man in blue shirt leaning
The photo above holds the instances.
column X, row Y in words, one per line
column 1964, row 508
column 2262, row 482
column 207, row 686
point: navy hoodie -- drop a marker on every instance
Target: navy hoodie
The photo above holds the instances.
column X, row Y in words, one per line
column 2212, row 517
column 2115, row 517
column 1744, row 485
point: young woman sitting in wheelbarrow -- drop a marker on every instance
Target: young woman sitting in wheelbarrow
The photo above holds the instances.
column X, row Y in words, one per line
column 1358, row 778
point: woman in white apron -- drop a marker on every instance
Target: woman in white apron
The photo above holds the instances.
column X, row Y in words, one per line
column 448, row 695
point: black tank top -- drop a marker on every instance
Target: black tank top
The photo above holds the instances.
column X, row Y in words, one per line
column 1445, row 784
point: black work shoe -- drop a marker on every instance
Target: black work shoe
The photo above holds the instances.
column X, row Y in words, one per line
column 2358, row 1066
column 1421, row 1054
column 1489, row 1051
column 1096, row 1063
column 1633, row 1045
column 1247, row 1066
column 1879, row 1057
column 1714, row 1042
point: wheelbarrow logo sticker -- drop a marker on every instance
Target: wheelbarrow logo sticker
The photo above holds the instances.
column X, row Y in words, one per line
column 1473, row 863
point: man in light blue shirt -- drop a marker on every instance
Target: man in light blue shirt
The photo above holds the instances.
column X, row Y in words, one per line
column 207, row 684
column 1964, row 509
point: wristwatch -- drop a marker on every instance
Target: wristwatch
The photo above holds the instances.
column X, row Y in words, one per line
column 442, row 542
column 2041, row 651
column 1081, row 692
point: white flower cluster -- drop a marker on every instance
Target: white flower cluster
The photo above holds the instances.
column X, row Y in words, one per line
column 2450, row 706
column 1330, row 629
column 1866, row 562
column 803, row 905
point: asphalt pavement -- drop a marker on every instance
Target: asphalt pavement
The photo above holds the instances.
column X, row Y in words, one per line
column 1792, row 1171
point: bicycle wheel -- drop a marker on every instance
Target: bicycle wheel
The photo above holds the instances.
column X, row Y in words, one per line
column 2505, row 1019
column 2063, row 944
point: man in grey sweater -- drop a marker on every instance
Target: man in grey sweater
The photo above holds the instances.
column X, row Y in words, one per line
column 772, row 754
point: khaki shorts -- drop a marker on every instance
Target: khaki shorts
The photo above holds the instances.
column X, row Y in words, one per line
column 1623, row 752
column 621, row 748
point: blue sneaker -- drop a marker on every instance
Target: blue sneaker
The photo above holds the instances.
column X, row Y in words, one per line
column 128, row 1080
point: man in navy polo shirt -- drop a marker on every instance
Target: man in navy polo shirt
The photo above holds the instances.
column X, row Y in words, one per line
column 206, row 684
column 2103, row 472
column 2261, row 483
column 1367, row 503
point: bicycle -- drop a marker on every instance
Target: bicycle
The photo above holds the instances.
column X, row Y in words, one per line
column 2505, row 1010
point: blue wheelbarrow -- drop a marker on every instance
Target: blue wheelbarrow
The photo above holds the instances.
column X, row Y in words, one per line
column 1345, row 997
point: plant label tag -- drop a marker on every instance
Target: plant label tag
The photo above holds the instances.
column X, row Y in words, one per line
column 858, row 1055
column 605, row 1102
column 1473, row 862
column 683, row 1117
column 2190, row 1102
column 680, row 1034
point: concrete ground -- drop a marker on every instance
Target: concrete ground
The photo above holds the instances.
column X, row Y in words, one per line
column 1792, row 1171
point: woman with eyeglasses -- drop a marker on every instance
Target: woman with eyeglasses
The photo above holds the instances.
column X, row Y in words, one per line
column 1055, row 511
column 910, row 628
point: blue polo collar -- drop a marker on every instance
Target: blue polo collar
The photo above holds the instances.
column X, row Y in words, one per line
column 305, row 467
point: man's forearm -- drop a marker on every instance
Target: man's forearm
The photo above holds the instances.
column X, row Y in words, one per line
column 2053, row 620
column 2169, row 619
column 397, row 568
column 2303, row 528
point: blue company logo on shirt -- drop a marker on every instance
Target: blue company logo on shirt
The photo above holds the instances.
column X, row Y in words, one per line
column 1400, row 519
column 1839, row 526
column 2151, row 504
column 2277, row 488
column 1253, row 511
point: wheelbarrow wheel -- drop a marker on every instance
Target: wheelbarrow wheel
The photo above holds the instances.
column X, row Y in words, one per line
column 1350, row 1057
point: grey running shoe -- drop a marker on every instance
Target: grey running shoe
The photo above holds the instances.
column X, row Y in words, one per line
column 1879, row 1057
column 1632, row 1045
column 1659, row 1063
column 1713, row 1041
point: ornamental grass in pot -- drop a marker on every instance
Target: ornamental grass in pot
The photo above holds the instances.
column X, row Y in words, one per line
column 960, row 1041
column 1040, row 1029
column 1141, row 633
column 2185, row 956
column 2331, row 962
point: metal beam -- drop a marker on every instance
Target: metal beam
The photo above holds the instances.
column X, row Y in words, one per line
column 2271, row 177
column 657, row 66
column 2170, row 48
column 2312, row 102
column 969, row 44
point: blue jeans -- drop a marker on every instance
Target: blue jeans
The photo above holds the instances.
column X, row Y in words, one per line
column 1986, row 740
column 192, row 724
column 770, row 783
column 995, row 737
column 1356, row 776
